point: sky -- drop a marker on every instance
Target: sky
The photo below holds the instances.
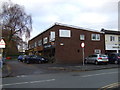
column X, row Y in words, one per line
column 92, row 14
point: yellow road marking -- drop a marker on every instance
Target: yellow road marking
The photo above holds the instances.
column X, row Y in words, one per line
column 113, row 85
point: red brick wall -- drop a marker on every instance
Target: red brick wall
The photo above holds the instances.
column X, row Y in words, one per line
column 71, row 51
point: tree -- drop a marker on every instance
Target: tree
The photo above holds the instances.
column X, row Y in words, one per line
column 15, row 21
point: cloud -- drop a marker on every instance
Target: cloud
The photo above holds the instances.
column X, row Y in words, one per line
column 94, row 14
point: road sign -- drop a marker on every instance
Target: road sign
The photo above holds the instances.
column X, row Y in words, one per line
column 82, row 45
column 2, row 43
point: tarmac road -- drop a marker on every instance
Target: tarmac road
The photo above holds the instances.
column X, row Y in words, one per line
column 89, row 79
column 15, row 68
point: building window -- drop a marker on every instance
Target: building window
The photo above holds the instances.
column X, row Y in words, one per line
column 96, row 37
column 29, row 46
column 52, row 36
column 64, row 33
column 45, row 40
column 119, row 39
column 112, row 38
column 39, row 42
column 35, row 45
column 97, row 51
column 82, row 37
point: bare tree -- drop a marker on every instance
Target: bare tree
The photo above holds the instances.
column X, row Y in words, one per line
column 15, row 21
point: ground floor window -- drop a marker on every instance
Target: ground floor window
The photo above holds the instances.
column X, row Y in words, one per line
column 97, row 51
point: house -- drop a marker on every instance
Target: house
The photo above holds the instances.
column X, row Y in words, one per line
column 63, row 43
column 112, row 41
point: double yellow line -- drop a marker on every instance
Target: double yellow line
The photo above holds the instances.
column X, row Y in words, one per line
column 113, row 85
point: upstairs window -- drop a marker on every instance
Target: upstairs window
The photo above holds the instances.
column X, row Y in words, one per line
column 45, row 40
column 82, row 37
column 112, row 38
column 119, row 39
column 64, row 33
column 35, row 45
column 39, row 42
column 96, row 37
column 52, row 36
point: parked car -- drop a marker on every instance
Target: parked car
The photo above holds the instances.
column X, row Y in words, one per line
column 97, row 58
column 114, row 58
column 35, row 59
column 21, row 57
column 8, row 58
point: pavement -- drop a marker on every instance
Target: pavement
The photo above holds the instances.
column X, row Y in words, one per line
column 7, row 70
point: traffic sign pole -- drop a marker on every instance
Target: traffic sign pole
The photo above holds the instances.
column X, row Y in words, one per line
column 83, row 45
column 2, row 45
column 83, row 56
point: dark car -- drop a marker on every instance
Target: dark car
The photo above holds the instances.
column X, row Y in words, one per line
column 114, row 58
column 21, row 57
column 35, row 59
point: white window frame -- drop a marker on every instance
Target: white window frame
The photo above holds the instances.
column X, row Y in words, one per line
column 35, row 44
column 45, row 40
column 97, row 51
column 95, row 37
column 39, row 42
column 82, row 37
column 64, row 33
column 52, row 36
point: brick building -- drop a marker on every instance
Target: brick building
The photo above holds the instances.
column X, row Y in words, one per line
column 63, row 42
column 112, row 41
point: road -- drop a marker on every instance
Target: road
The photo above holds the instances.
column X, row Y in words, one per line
column 87, row 79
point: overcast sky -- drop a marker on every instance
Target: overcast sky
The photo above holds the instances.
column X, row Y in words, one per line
column 93, row 14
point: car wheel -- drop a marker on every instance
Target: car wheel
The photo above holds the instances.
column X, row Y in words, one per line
column 116, row 62
column 27, row 62
column 96, row 62
column 23, row 61
column 39, row 62
column 86, row 62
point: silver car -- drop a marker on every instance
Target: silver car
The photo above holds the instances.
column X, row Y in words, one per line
column 97, row 58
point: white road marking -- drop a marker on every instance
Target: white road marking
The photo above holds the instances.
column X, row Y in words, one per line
column 28, row 82
column 98, row 74
column 22, row 76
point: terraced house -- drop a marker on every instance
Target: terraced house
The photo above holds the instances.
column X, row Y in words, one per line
column 112, row 41
column 63, row 43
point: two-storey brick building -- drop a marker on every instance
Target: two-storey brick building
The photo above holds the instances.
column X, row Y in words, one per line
column 63, row 42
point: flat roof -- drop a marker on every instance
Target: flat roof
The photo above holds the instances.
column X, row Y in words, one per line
column 111, row 32
column 65, row 25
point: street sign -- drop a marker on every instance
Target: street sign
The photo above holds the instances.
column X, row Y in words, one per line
column 2, row 43
column 82, row 45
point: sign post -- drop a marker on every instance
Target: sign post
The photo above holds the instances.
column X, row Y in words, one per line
column 83, row 45
column 2, row 45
